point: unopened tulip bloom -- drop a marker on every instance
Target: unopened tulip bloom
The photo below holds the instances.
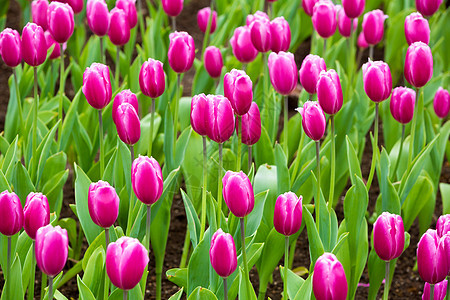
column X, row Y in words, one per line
column 428, row 7
column 60, row 21
column 103, row 203
column 126, row 261
column 97, row 85
column 377, row 80
column 237, row 87
column 431, row 258
column 52, row 249
column 345, row 23
column 313, row 120
column 50, row 43
column 251, row 125
column 287, row 217
column 11, row 214
column 36, row 213
column 238, row 193
column 260, row 34
column 128, row 124
column 308, row 6
column 119, row 28
column 259, row 15
column 223, row 253
column 10, row 47
column 283, row 72
column 324, row 18
column 34, row 46
column 39, row 12
column 98, row 16
column 443, row 225
column 280, row 35
column 388, row 236
column 181, row 51
column 402, row 104
column 147, row 180
column 353, row 8
column 129, row 7
column 220, row 118
column 329, row 280
column 417, row 29
column 440, row 290
column 172, row 7
column 329, row 91
column 199, row 114
column 203, row 17
column 309, row 72
column 242, row 45
column 418, row 64
column 441, row 103
column 362, row 41
column 373, row 26
column 213, row 61
column 125, row 96
column 77, row 5
column 152, row 79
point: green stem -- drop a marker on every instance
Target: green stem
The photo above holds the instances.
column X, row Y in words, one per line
column 351, row 61
column 432, row 291
column 132, row 154
column 35, row 113
column 244, row 254
column 208, row 29
column 413, row 129
column 238, row 164
column 30, row 294
column 147, row 226
column 333, row 164
column 125, row 295
column 286, row 128
column 400, row 151
column 375, row 149
column 291, row 254
column 219, row 186
column 175, row 113
column 61, row 93
column 117, row 66
column 102, row 54
column 324, row 52
column 43, row 279
column 297, row 160
column 225, row 289
column 250, row 160
column 150, row 144
column 141, row 20
column 286, row 267
column 19, row 102
column 102, row 151
column 203, row 212
column 186, row 246
column 158, row 285
column 174, row 24
column 50, row 287
column 371, row 52
column 8, row 269
column 317, row 200
column 386, row 283
column 106, row 287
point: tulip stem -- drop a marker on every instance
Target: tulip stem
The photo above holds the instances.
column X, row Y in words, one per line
column 400, row 151
column 297, row 159
column 447, row 297
column 106, row 287
column 238, row 163
column 208, row 31
column 317, row 201
column 35, row 114
column 244, row 254
column 174, row 24
column 106, row 238
column 371, row 52
column 324, row 52
column 8, row 269
column 186, row 245
column 125, row 295
column 132, row 154
column 102, row 151
column 286, row 266
column 175, row 113
column 432, row 291
column 203, row 212
column 158, row 285
column 117, row 66
column 333, row 164
column 386, row 283
column 413, row 128
column 102, row 56
column 219, row 185
column 250, row 157
column 50, row 287
column 33, row 271
column 43, row 279
column 375, row 149
column 286, row 127
column 19, row 102
column 61, row 94
column 141, row 20
column 150, row 144
column 147, row 227
column 225, row 289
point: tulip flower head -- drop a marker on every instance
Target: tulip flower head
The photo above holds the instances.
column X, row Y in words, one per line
column 362, row 41
column 242, row 45
column 152, row 79
column 103, row 203
column 181, row 51
column 345, row 23
column 313, row 120
column 222, row 253
column 36, row 213
column 324, row 18
column 353, row 8
column 219, row 119
column 11, row 214
column 34, row 46
column 329, row 91
column 128, row 124
column 238, row 193
column 440, row 290
column 280, row 34
column 377, row 80
column 431, row 257
column 259, row 15
column 283, row 72
column 287, row 217
column 441, row 103
column 76, row 5
column 237, row 87
column 52, row 249
column 172, row 7
column 373, row 26
column 129, row 7
column 260, row 34
column 388, row 236
column 329, row 280
column 125, row 96
column 251, row 125
column 119, row 27
column 56, row 52
column 10, row 47
column 309, row 72
column 203, row 17
column 402, row 104
column 428, row 7
column 308, row 6
column 418, row 64
column 60, row 21
column 417, row 29
column 199, row 114
column 213, row 61
column 98, row 16
column 146, row 179
column 39, row 12
column 443, row 225
column 97, row 85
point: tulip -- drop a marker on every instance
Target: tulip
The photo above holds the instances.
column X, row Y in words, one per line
column 238, row 193
column 199, row 114
column 52, row 248
column 441, row 103
column 402, row 104
column 39, row 12
column 213, row 61
column 128, row 124
column 147, row 180
column 237, row 87
column 443, row 225
column 98, row 16
column 129, row 7
column 345, row 25
column 56, row 52
column 388, row 236
column 119, row 28
column 36, row 213
column 329, row 91
column 103, row 203
column 377, row 80
column 251, row 126
column 220, row 118
column 431, row 258
column 280, row 33
column 309, row 72
column 10, row 47
column 308, row 6
column 313, row 120
column 362, row 41
column 440, row 290
column 222, row 253
column 418, row 64
column 242, row 45
column 353, row 8
column 259, row 15
column 97, row 85
column 329, row 280
column 260, row 34
column 324, row 18
column 203, row 17
column 152, row 79
column 417, row 29
column 373, row 26
column 11, row 214
column 34, row 46
column 126, row 261
column 287, row 217
column 76, row 5
column 283, row 72
column 181, row 51
column 125, row 96
column 172, row 7
column 60, row 21
column 428, row 7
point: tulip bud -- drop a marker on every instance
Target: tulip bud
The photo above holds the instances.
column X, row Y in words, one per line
column 98, row 16
column 238, row 193
column 313, row 120
column 431, row 257
column 443, row 225
column 103, row 203
column 223, row 253
column 119, row 28
column 128, row 124
column 287, row 217
column 152, row 78
column 199, row 114
column 237, row 87
column 36, row 213
column 129, row 7
column 172, row 7
column 52, row 249
column 441, row 103
column 373, row 26
column 213, row 61
column 60, row 21
column 259, row 15
column 220, row 118
column 345, row 23
column 10, row 47
column 203, row 17
column 377, row 80
column 39, row 12
column 402, row 104
column 126, row 261
column 362, row 41
column 181, row 51
column 324, row 18
column 11, row 214
column 251, row 125
column 388, row 236
column 417, row 29
column 97, row 85
column 440, row 290
column 428, row 7
column 76, row 5
column 309, row 72
column 308, row 6
column 56, row 52
column 329, row 92
column 418, row 64
column 242, row 45
column 280, row 33
column 147, row 180
column 283, row 72
column 329, row 280
column 260, row 34
column 125, row 96
column 34, row 46
column 353, row 8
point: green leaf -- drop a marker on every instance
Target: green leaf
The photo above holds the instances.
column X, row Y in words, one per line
column 353, row 161
column 202, row 293
column 282, row 170
column 246, row 291
column 93, row 273
column 254, row 218
column 85, row 292
column 263, row 150
column 389, row 197
column 177, row 295
column 10, row 157
column 306, row 290
column 16, row 291
column 178, row 276
column 22, row 182
column 198, row 268
column 315, row 244
column 420, row 194
column 294, row 282
column 445, row 194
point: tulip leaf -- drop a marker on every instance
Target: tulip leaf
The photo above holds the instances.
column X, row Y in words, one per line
column 22, row 182
column 353, row 161
column 177, row 295
column 4, row 185
column 85, row 292
column 263, row 150
column 266, row 179
column 181, row 146
column 315, row 243
column 445, row 194
column 202, row 293
column 192, row 218
column 246, row 291
column 168, row 140
column 389, row 198
column 282, row 170
column 10, row 157
column 16, row 291
column 294, row 282
column 69, row 121
column 420, row 194
column 254, row 218
column 93, row 273
column 178, row 276
column 304, row 293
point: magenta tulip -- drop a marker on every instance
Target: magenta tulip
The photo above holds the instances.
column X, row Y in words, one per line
column 129, row 7
column 126, row 261
column 181, row 51
column 237, row 87
column 280, row 35
column 119, row 28
column 260, row 34
column 10, row 47
column 98, row 16
column 441, row 103
column 50, row 43
column 152, row 79
column 39, row 12
column 329, row 92
column 238, row 193
column 377, row 80
column 60, row 21
column 97, row 85
column 219, row 119
column 222, row 253
column 199, row 114
column 283, row 72
column 213, row 61
column 103, row 203
column 251, row 125
column 172, row 7
column 402, row 104
column 259, row 15
column 287, row 217
column 242, row 45
column 76, row 5
column 36, row 213
column 34, row 46
column 308, row 6
column 147, row 180
column 431, row 257
column 324, row 18
column 329, row 280
column 125, row 96
column 362, row 41
column 309, row 72
column 345, row 23
column 443, row 225
column 128, row 124
column 373, row 26
column 428, row 7
column 313, row 120
column 353, row 8
column 388, row 236
column 440, row 290
column 11, row 214
column 418, row 64
column 52, row 249
column 203, row 17
column 417, row 29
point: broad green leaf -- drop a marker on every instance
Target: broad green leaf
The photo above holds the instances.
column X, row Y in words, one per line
column 294, row 282
column 177, row 295
column 202, row 293
column 178, row 276
column 246, row 291
column 445, row 194
column 282, row 170
column 85, row 292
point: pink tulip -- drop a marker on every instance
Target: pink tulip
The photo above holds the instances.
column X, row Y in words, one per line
column 34, row 46
column 213, row 61
column 52, row 249
column 329, row 280
column 440, row 289
column 251, row 125
column 103, row 203
column 260, row 34
column 238, row 193
column 431, row 258
column 441, row 103
column 146, row 179
column 98, row 16
column 220, row 118
column 345, row 23
column 199, row 114
column 152, row 79
column 309, row 72
column 125, row 96
column 237, row 87
column 50, row 42
column 129, row 7
column 417, row 29
column 287, row 217
column 353, row 8
column 308, row 6
column 97, row 85
column 223, row 253
column 259, row 15
column 36, row 213
column 443, row 225
column 172, row 7
column 428, row 7
column 77, row 5
column 283, row 72
column 128, row 124
column 418, row 64
column 10, row 47
column 60, row 21
column 11, row 214
column 119, row 27
column 39, row 12
column 203, row 17
column 377, row 80
column 388, row 236
column 402, row 104
column 373, row 26
column 181, row 51
column 362, row 41
column 242, row 45
column 329, row 92
column 280, row 35
column 313, row 120
column 324, row 18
